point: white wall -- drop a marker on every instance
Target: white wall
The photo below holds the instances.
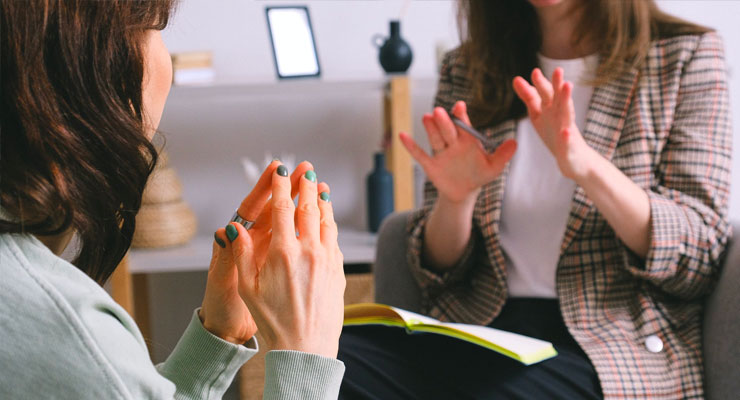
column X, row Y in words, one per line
column 236, row 32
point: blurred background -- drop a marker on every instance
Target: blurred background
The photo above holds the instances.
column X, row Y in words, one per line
column 336, row 121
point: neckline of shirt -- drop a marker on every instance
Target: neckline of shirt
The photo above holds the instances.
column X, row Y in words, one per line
column 574, row 69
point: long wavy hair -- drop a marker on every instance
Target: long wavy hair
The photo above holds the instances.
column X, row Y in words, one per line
column 74, row 153
column 501, row 39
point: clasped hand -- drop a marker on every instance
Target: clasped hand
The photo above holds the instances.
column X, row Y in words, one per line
column 290, row 286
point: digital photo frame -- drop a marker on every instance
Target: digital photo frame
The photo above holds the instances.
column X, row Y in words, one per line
column 293, row 44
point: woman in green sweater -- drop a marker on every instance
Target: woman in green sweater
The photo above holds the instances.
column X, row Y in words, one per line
column 84, row 85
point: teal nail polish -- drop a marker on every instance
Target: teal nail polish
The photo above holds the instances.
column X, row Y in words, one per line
column 311, row 176
column 231, row 232
column 325, row 196
column 219, row 241
column 282, row 170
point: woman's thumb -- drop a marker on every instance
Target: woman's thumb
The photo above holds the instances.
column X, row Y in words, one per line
column 222, row 261
column 239, row 245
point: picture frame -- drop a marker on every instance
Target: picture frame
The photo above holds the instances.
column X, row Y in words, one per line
column 293, row 43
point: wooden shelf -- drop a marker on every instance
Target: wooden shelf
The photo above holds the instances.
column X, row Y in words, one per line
column 358, row 247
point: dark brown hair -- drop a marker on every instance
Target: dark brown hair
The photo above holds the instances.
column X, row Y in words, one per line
column 501, row 38
column 74, row 151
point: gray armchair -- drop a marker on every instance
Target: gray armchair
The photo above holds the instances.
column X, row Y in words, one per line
column 394, row 285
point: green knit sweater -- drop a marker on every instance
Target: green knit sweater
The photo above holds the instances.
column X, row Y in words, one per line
column 62, row 336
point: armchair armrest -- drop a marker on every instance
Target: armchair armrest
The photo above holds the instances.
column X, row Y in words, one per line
column 394, row 284
column 722, row 329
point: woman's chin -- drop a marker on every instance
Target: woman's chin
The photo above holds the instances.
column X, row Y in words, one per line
column 545, row 3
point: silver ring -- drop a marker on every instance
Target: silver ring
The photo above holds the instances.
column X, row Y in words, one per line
column 246, row 224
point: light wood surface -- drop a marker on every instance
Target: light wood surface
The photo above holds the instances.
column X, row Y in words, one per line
column 142, row 315
column 131, row 291
column 122, row 286
column 397, row 113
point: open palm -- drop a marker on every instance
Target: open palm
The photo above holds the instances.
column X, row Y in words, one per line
column 550, row 108
column 460, row 165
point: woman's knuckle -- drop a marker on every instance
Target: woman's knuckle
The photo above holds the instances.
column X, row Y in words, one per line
column 278, row 253
column 283, row 205
column 317, row 258
column 340, row 258
column 309, row 209
column 286, row 259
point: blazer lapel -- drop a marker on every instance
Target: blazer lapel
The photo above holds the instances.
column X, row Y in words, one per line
column 605, row 119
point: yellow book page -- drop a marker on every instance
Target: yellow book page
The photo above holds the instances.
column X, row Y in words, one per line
column 519, row 347
column 522, row 348
column 365, row 313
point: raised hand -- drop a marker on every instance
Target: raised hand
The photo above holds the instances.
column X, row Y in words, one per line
column 460, row 165
column 223, row 311
column 550, row 108
column 294, row 285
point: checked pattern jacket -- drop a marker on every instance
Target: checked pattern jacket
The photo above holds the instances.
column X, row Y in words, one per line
column 665, row 125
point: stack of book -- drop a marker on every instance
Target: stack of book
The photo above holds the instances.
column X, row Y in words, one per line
column 192, row 68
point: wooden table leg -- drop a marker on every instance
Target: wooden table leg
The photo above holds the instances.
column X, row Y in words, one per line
column 132, row 293
column 141, row 307
column 397, row 115
column 122, row 286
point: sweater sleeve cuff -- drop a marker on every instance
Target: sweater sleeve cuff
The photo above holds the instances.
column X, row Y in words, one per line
column 203, row 363
column 297, row 375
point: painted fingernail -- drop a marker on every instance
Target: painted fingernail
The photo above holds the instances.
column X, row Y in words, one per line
column 219, row 241
column 325, row 196
column 231, row 232
column 282, row 170
column 311, row 176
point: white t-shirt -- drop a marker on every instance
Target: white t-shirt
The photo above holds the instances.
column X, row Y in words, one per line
column 537, row 198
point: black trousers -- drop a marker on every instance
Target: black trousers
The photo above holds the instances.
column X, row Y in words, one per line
column 387, row 363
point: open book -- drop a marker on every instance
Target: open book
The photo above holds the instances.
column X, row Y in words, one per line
column 522, row 348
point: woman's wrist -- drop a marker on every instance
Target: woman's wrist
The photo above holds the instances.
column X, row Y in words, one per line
column 329, row 348
column 215, row 332
column 457, row 213
column 463, row 205
column 587, row 163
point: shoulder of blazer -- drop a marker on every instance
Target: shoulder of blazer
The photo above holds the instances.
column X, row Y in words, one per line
column 454, row 69
column 679, row 48
column 675, row 51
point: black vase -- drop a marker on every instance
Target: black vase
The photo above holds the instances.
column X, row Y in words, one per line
column 379, row 193
column 395, row 54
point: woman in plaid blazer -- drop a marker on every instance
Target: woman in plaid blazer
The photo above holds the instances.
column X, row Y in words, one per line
column 647, row 222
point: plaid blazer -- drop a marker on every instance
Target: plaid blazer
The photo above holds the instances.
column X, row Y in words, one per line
column 666, row 125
